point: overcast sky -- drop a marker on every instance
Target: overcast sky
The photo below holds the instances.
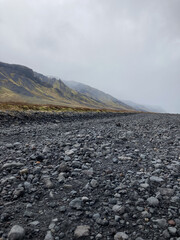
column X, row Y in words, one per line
column 128, row 48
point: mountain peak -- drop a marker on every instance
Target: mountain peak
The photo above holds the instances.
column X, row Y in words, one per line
column 23, row 70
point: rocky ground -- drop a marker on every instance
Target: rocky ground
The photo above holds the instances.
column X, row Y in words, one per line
column 91, row 176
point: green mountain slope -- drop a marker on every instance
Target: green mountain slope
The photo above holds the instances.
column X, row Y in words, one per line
column 21, row 84
column 96, row 94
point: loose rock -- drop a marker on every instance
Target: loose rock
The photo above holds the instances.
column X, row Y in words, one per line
column 17, row 233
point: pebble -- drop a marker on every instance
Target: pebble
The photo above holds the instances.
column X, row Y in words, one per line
column 162, row 223
column 12, row 165
column 16, row 233
column 34, row 223
column 80, row 176
column 99, row 236
column 156, row 179
column 94, row 183
column 172, row 230
column 118, row 209
column 166, row 191
column 23, row 171
column 47, row 182
column 49, row 236
column 120, row 236
column 82, row 231
column 76, row 203
column 153, row 201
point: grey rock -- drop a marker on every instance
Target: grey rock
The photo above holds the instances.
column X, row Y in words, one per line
column 27, row 185
column 166, row 191
column 76, row 203
column 46, row 149
column 28, row 213
column 166, row 234
column 96, row 216
column 99, row 236
column 16, row 233
column 124, row 158
column 34, row 223
column 102, row 222
column 175, row 199
column 177, row 221
column 94, row 183
column 69, row 152
column 61, row 177
column 18, row 192
column 115, row 160
column 82, row 231
column 117, row 218
column 49, row 236
column 144, row 185
column 153, row 201
column 172, row 230
column 162, row 223
column 156, row 179
column 120, row 236
column 12, row 165
column 118, row 209
column 47, row 182
column 9, row 145
column 63, row 167
column 146, row 214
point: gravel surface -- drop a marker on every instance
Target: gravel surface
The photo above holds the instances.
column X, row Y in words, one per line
column 89, row 176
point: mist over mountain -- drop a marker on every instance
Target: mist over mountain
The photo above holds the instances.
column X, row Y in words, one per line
column 146, row 108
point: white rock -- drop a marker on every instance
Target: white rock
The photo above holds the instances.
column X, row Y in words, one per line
column 82, row 231
column 69, row 152
column 120, row 236
column 61, row 177
column 49, row 236
column 17, row 232
column 124, row 158
column 156, row 179
column 46, row 149
column 12, row 164
column 172, row 230
column 153, row 201
column 144, row 185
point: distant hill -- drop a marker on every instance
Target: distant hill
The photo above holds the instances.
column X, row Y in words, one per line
column 21, row 84
column 96, row 94
column 144, row 108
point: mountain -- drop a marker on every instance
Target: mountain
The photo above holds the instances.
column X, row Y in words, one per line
column 21, row 84
column 96, row 94
column 144, row 108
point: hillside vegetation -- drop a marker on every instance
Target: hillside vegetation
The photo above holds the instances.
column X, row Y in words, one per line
column 96, row 94
column 21, row 84
column 22, row 106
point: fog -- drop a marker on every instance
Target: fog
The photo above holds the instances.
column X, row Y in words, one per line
column 129, row 49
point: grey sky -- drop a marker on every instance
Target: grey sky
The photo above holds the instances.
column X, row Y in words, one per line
column 128, row 48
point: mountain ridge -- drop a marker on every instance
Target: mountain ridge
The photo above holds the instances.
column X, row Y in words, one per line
column 22, row 84
column 95, row 93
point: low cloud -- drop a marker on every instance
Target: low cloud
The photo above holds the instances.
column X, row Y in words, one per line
column 130, row 49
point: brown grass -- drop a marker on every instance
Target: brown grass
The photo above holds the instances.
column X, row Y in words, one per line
column 20, row 106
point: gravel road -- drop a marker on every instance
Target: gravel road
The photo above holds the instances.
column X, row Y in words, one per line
column 89, row 176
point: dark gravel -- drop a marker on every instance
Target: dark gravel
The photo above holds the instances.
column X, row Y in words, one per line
column 89, row 176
